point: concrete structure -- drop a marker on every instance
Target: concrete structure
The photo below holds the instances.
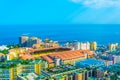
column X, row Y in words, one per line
column 10, row 69
column 79, row 76
column 23, row 40
column 93, row 46
column 113, row 47
column 82, row 46
column 64, row 72
column 2, row 57
column 34, row 66
column 67, row 57
column 86, row 46
column 27, row 76
column 99, row 74
column 108, row 62
column 37, row 43
column 26, row 41
column 116, row 59
column 89, row 63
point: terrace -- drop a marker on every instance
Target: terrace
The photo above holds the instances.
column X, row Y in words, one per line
column 27, row 76
column 8, row 65
column 41, row 77
column 30, row 61
column 14, row 63
column 60, row 70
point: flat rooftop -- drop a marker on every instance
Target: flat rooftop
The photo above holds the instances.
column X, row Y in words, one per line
column 8, row 65
column 60, row 70
column 14, row 63
column 89, row 63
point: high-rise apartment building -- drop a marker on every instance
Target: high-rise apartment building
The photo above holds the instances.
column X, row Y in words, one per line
column 82, row 46
column 93, row 46
column 23, row 40
column 113, row 47
column 26, row 41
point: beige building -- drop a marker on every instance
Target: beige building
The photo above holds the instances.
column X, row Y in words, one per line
column 113, row 47
column 23, row 39
column 82, row 46
column 93, row 46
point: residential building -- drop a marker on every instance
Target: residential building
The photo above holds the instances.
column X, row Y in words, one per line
column 2, row 57
column 9, row 71
column 34, row 66
column 116, row 59
column 82, row 46
column 113, row 47
column 26, row 41
column 79, row 76
column 93, row 46
column 27, row 76
column 89, row 63
column 23, row 40
column 50, row 62
column 63, row 72
column 108, row 62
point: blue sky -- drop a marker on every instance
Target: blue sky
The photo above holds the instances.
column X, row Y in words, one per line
column 20, row 12
column 50, row 18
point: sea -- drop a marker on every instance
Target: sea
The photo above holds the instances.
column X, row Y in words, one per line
column 103, row 34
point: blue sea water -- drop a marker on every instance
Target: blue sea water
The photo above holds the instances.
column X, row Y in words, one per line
column 102, row 33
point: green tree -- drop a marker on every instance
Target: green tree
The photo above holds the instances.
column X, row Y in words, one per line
column 4, row 51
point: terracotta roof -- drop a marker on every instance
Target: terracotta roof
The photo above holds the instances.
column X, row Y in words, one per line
column 49, row 60
column 71, row 54
column 64, row 55
column 16, row 49
column 31, row 49
column 26, row 56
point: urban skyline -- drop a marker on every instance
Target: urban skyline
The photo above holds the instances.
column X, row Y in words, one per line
column 59, row 39
column 36, row 59
column 103, row 34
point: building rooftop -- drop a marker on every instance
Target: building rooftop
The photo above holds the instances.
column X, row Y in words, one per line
column 28, row 76
column 89, row 63
column 65, row 55
column 8, row 65
column 26, row 56
column 53, row 49
column 60, row 70
column 29, row 62
column 48, row 59
column 14, row 63
column 41, row 77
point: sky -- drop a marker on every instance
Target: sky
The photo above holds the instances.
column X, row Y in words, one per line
column 60, row 20
column 30, row 12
